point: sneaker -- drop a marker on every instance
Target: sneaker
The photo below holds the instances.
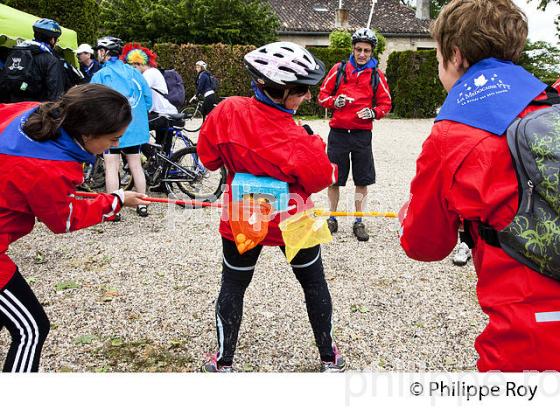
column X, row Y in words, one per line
column 462, row 254
column 338, row 366
column 360, row 231
column 142, row 210
column 211, row 366
column 333, row 225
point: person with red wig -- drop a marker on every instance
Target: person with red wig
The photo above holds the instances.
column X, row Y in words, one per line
column 145, row 61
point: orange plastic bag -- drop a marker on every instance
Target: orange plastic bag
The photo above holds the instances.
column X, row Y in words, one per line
column 249, row 222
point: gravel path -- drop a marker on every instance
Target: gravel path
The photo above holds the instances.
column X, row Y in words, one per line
column 139, row 295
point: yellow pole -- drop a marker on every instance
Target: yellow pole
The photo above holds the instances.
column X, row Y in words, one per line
column 322, row 212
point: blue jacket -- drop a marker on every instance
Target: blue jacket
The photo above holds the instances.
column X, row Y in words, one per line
column 130, row 83
column 88, row 72
column 203, row 83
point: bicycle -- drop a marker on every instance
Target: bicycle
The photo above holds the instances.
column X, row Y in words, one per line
column 179, row 171
column 193, row 116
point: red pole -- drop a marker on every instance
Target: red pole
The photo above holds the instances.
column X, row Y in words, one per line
column 194, row 204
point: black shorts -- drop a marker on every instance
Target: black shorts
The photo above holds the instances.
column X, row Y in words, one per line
column 127, row 150
column 355, row 146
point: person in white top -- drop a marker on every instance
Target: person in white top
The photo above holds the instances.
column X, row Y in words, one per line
column 145, row 61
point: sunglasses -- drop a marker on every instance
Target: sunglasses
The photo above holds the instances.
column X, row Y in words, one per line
column 363, row 50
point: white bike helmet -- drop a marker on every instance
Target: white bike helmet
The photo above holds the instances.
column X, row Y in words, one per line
column 284, row 64
column 201, row 64
column 364, row 35
column 110, row 43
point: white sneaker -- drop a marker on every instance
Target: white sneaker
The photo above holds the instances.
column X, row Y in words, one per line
column 462, row 254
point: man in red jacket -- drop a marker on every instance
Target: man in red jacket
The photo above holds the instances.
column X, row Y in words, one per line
column 465, row 172
column 358, row 94
column 258, row 136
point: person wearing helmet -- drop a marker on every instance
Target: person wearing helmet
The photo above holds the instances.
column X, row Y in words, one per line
column 205, row 88
column 358, row 94
column 258, row 136
column 33, row 70
column 130, row 83
column 88, row 64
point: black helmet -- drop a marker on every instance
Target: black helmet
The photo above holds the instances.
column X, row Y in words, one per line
column 109, row 43
column 364, row 35
column 47, row 28
column 284, row 64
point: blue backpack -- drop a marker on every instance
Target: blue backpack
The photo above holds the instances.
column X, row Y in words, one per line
column 175, row 88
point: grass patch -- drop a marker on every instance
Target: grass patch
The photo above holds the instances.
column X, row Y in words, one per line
column 144, row 356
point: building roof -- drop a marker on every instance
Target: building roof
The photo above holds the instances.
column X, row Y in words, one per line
column 318, row 16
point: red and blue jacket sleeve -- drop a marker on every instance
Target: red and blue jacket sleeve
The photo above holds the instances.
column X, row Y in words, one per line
column 325, row 97
column 51, row 197
column 428, row 228
column 310, row 165
column 206, row 147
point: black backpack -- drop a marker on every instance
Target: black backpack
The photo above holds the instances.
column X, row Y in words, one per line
column 214, row 82
column 341, row 75
column 18, row 79
column 533, row 237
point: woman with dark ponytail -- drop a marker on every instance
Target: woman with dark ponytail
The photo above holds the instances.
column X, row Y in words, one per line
column 42, row 151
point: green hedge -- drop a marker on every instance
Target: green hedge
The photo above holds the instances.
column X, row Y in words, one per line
column 414, row 83
column 226, row 63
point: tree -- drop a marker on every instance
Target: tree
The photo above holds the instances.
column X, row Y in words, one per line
column 190, row 21
column 435, row 6
column 542, row 59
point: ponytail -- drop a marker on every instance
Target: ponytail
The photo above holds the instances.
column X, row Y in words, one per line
column 44, row 123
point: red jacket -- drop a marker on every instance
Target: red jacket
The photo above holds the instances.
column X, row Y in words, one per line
column 248, row 136
column 358, row 87
column 37, row 188
column 557, row 84
column 464, row 172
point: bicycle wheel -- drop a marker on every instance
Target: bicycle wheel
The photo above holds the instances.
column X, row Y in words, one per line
column 193, row 118
column 189, row 176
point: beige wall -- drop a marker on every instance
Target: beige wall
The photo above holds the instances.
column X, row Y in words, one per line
column 393, row 44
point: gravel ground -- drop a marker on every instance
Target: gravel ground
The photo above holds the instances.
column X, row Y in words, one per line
column 139, row 295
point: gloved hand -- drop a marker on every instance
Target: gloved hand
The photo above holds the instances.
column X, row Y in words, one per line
column 340, row 101
column 193, row 99
column 308, row 129
column 366, row 114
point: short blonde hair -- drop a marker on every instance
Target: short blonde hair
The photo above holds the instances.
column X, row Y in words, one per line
column 481, row 29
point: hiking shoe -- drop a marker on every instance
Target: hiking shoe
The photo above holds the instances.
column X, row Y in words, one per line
column 333, row 225
column 142, row 210
column 211, row 366
column 338, row 366
column 360, row 231
column 462, row 254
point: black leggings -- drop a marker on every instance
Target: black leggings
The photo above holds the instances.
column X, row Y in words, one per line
column 237, row 272
column 24, row 317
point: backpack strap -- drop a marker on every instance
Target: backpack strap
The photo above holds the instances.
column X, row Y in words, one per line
column 552, row 97
column 340, row 75
column 489, row 234
column 374, row 83
column 159, row 92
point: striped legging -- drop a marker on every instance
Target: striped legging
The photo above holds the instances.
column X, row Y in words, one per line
column 24, row 317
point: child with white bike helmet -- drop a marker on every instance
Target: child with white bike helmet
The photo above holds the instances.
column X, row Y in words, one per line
column 258, row 136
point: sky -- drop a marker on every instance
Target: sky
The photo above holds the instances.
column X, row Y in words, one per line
column 541, row 23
